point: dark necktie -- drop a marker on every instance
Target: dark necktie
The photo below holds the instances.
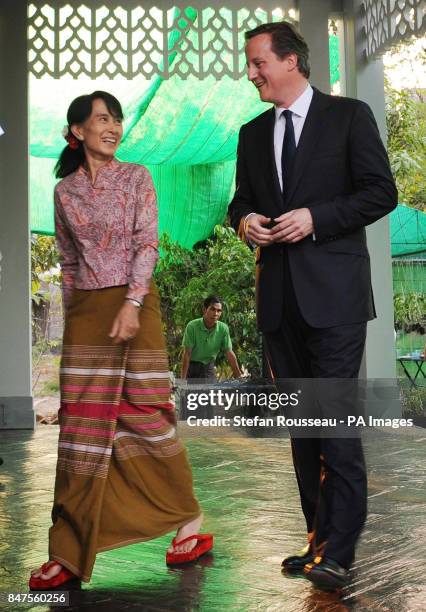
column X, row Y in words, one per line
column 288, row 153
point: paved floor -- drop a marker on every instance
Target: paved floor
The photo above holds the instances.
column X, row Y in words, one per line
column 249, row 496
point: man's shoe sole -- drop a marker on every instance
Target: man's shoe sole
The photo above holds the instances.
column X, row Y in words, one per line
column 325, row 581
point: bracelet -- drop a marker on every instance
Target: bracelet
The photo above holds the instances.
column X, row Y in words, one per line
column 246, row 225
column 134, row 302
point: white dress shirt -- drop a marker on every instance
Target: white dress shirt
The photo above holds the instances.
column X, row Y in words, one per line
column 300, row 109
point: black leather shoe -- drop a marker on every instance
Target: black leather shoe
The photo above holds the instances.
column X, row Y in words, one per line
column 296, row 563
column 327, row 574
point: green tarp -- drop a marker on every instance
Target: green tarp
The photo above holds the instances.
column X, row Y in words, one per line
column 408, row 232
column 184, row 131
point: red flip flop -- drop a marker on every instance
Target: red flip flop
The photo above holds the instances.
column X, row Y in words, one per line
column 204, row 544
column 39, row 584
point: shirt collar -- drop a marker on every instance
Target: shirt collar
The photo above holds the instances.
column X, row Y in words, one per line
column 207, row 329
column 112, row 165
column 300, row 107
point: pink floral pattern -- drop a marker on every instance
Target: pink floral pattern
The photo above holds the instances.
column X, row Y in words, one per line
column 107, row 232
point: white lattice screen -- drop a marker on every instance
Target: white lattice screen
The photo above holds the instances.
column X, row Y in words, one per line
column 388, row 22
column 97, row 39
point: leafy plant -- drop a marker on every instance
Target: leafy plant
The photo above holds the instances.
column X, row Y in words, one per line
column 44, row 259
column 44, row 273
column 414, row 402
column 51, row 387
column 222, row 266
column 406, row 126
column 409, row 308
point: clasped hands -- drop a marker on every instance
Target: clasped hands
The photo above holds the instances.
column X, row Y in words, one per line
column 290, row 227
column 126, row 324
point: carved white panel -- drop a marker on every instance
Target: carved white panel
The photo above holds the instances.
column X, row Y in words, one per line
column 106, row 39
column 388, row 22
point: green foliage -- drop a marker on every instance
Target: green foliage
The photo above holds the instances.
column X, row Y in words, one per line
column 409, row 308
column 43, row 347
column 44, row 258
column 414, row 402
column 406, row 125
column 45, row 364
column 44, row 272
column 51, row 387
column 223, row 266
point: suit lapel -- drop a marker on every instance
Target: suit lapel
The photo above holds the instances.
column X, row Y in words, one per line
column 312, row 131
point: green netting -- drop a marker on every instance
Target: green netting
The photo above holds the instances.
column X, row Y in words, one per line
column 408, row 245
column 408, row 231
column 187, row 137
column 334, row 59
column 185, row 131
column 409, row 275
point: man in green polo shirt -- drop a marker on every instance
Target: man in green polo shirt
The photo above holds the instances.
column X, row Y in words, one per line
column 204, row 338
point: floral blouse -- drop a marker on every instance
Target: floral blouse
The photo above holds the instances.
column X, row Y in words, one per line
column 107, row 232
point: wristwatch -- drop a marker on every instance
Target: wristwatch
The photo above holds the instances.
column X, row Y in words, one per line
column 136, row 303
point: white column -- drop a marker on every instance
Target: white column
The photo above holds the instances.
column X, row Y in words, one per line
column 313, row 25
column 16, row 411
column 365, row 82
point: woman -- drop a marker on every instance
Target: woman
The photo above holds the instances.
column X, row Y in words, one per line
column 122, row 475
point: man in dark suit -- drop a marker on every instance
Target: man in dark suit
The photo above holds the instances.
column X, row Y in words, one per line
column 312, row 172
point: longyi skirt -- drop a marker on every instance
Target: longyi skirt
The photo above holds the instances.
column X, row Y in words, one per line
column 122, row 474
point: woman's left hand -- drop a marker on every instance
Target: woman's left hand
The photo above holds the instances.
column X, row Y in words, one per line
column 126, row 324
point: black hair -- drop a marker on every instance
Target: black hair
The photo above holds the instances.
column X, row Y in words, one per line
column 212, row 299
column 79, row 110
column 285, row 39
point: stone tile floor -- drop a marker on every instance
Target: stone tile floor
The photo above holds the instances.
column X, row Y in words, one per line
column 248, row 492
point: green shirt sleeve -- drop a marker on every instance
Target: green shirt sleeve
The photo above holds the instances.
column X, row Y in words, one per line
column 226, row 342
column 189, row 337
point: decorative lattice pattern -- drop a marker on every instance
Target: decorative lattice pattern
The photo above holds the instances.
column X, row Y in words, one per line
column 95, row 40
column 388, row 22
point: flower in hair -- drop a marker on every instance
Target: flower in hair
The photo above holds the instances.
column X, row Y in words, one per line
column 73, row 142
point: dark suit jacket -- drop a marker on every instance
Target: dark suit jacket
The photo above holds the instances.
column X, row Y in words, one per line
column 341, row 173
